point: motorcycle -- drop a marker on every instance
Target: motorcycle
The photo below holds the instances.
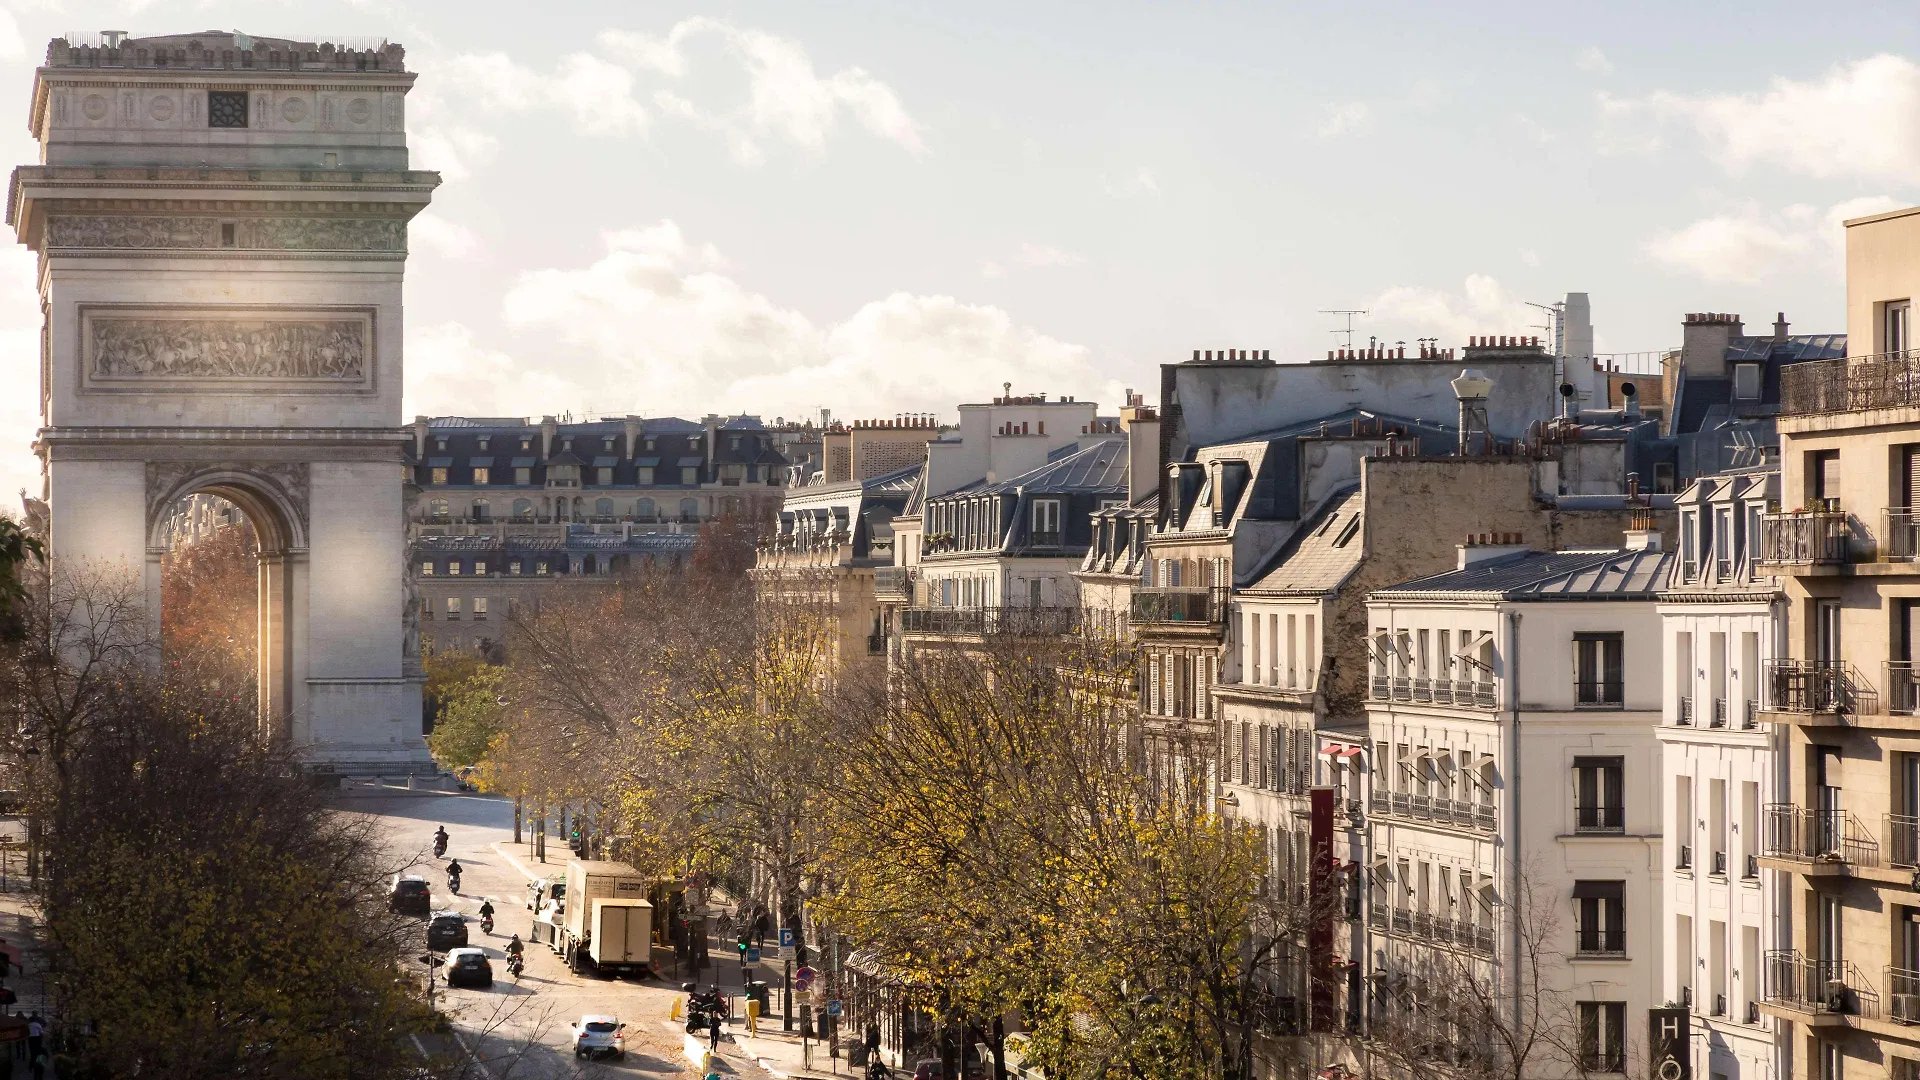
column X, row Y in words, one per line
column 439, row 847
column 877, row 1070
column 486, row 924
column 700, row 1007
column 515, row 965
column 453, row 883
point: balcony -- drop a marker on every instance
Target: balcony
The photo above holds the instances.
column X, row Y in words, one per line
column 1903, row 840
column 1805, row 538
column 991, row 621
column 1463, row 695
column 893, row 582
column 1686, row 712
column 1851, row 384
column 1900, row 533
column 1750, row 718
column 1046, row 539
column 1601, row 943
column 1903, row 995
column 1719, row 713
column 1719, row 865
column 1204, row 606
column 1902, row 681
column 1684, row 861
column 1592, row 820
column 1819, row 686
column 1828, row 837
column 1799, row 984
column 1400, row 804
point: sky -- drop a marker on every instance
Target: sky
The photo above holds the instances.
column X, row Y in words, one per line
column 883, row 208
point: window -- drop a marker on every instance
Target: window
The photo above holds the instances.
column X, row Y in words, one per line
column 227, row 108
column 482, row 475
column 1746, row 382
column 453, row 567
column 523, row 508
column 606, row 443
column 1603, row 1036
column 643, row 509
column 482, row 510
column 603, row 507
column 513, row 568
column 1896, row 327
column 1600, row 916
column 484, row 441
column 540, row 568
column 426, row 569
column 1597, row 674
column 690, row 476
column 603, row 476
column 522, row 476
column 1046, row 521
column 453, row 607
column 689, row 510
column 1599, row 803
column 439, row 476
column 479, row 607
column 643, row 475
column 437, row 507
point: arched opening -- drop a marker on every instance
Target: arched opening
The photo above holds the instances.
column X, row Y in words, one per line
column 226, row 559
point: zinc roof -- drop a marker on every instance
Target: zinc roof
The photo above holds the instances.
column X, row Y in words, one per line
column 1321, row 555
column 1546, row 575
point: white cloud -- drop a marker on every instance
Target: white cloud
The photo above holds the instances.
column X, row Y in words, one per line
column 991, row 269
column 1137, row 183
column 597, row 95
column 1482, row 306
column 786, row 99
column 1039, row 255
column 12, row 45
column 655, row 330
column 1344, row 118
column 1860, row 120
column 1592, row 59
column 1747, row 243
column 429, row 232
column 1530, row 257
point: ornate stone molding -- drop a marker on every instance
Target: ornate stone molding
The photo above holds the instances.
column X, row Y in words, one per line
column 236, row 348
column 179, row 232
column 285, row 483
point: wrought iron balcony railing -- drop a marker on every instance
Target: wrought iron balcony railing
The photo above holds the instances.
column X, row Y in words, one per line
column 1903, row 994
column 1179, row 605
column 1851, row 383
column 1828, row 987
column 1597, row 942
column 1807, row 538
column 1902, row 680
column 1465, row 695
column 1685, row 718
column 1810, row 686
column 893, row 582
column 1599, row 819
column 1719, row 713
column 1826, row 836
column 1903, row 840
column 1900, row 533
column 983, row 622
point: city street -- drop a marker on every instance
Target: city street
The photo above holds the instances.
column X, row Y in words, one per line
column 519, row 1030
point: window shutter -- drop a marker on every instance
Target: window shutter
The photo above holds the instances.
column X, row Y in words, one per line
column 1829, row 475
column 1911, row 478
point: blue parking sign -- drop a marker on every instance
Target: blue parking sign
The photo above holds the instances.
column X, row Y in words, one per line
column 786, row 937
column 833, row 1008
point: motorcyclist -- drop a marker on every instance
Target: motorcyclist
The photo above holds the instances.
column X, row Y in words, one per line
column 440, row 840
column 486, row 913
column 514, row 948
column 453, row 875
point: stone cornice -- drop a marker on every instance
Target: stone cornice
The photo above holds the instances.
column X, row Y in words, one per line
column 80, row 435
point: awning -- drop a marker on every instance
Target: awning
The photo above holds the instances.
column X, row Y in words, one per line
column 1487, row 895
column 605, row 462
column 649, row 462
column 690, row 462
column 440, row 462
column 1599, row 890
column 523, row 462
column 481, row 462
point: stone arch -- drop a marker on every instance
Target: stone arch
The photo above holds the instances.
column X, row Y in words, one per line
column 274, row 499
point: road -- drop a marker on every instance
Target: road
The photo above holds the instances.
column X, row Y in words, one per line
column 519, row 1031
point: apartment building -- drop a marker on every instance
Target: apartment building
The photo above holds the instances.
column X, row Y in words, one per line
column 1513, row 792
column 1844, row 986
column 1722, row 621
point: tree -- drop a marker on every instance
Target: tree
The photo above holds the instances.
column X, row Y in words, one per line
column 209, row 610
column 463, row 694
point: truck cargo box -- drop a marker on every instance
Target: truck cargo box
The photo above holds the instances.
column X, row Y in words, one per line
column 622, row 935
column 590, row 881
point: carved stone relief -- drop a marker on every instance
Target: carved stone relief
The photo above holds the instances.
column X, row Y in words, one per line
column 160, row 108
column 122, row 348
column 294, row 110
column 167, row 481
column 359, row 111
column 94, row 107
column 277, row 234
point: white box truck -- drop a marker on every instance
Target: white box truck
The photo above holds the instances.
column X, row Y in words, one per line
column 588, row 882
column 621, row 938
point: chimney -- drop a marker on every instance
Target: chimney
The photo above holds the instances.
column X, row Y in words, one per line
column 1630, row 400
column 1142, row 425
column 1482, row 547
column 1704, row 338
column 1641, row 533
column 1780, row 329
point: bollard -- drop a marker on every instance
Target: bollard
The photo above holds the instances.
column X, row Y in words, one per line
column 753, row 1017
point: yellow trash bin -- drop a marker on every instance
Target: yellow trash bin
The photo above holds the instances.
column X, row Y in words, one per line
column 753, row 1017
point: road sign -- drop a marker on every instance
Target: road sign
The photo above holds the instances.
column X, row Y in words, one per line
column 786, row 937
column 753, row 955
column 833, row 1007
column 802, row 978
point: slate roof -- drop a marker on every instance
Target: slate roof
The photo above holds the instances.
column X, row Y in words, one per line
column 1100, row 467
column 581, row 541
column 1320, row 555
column 1545, row 575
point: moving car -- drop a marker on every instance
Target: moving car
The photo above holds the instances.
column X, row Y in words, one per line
column 447, row 930
column 469, row 967
column 598, row 1036
column 411, row 895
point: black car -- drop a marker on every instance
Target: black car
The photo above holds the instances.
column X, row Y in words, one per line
column 411, row 895
column 447, row 930
column 469, row 967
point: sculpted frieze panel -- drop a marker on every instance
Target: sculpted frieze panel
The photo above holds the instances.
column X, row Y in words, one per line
column 194, row 233
column 234, row 349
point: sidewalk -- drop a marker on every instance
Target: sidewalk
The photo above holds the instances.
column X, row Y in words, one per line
column 777, row 1053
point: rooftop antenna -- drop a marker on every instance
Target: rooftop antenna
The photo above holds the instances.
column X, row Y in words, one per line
column 1555, row 327
column 1349, row 313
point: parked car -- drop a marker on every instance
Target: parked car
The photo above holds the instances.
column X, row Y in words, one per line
column 469, row 967
column 598, row 1036
column 447, row 930
column 411, row 895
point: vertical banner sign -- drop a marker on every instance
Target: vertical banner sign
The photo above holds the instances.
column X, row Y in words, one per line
column 1320, row 930
column 1668, row 1042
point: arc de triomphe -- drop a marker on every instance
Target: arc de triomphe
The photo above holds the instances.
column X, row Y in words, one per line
column 221, row 222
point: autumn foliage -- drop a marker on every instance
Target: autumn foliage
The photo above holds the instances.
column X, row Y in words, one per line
column 209, row 611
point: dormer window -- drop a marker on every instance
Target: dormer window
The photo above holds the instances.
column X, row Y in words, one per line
column 483, row 442
column 566, row 444
column 1746, row 382
column 440, row 442
column 1046, row 521
column 606, row 443
column 526, row 443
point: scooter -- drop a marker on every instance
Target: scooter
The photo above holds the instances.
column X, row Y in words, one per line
column 515, row 965
column 453, row 883
column 439, row 847
column 486, row 924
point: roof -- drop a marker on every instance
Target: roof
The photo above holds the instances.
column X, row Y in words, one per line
column 1320, row 555
column 1545, row 575
column 574, row 541
column 1100, row 467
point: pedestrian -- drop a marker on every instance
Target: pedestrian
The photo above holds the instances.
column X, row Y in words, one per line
column 20, row 1045
column 713, row 1028
column 35, row 1032
column 873, row 1038
column 760, row 930
column 39, row 1065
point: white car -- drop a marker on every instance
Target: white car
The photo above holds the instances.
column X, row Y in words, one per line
column 598, row 1036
